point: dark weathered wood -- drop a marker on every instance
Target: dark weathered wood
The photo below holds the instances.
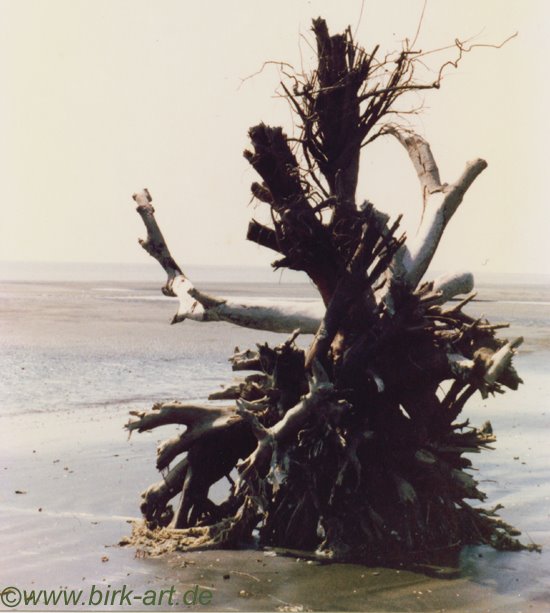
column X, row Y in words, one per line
column 262, row 235
column 299, row 234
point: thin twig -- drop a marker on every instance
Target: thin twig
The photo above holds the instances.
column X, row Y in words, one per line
column 266, row 63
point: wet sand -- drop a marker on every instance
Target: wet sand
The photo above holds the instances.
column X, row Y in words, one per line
column 81, row 480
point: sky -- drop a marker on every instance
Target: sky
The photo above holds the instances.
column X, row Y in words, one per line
column 104, row 97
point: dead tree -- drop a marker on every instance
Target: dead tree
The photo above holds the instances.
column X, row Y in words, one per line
column 353, row 448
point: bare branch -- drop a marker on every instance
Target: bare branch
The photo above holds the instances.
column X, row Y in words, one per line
column 440, row 201
column 154, row 244
column 198, row 306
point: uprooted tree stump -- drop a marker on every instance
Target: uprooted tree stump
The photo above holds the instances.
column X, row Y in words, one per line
column 353, row 448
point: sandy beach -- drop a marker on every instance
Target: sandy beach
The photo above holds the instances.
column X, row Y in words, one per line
column 70, row 478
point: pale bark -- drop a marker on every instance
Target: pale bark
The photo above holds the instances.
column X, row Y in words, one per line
column 440, row 202
column 200, row 420
column 284, row 316
column 502, row 360
column 460, row 366
column 154, row 244
column 453, row 284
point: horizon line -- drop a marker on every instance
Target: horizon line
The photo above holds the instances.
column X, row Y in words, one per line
column 256, row 267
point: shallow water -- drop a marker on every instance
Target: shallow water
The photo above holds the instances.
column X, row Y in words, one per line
column 67, row 344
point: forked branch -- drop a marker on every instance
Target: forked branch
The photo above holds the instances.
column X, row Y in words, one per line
column 440, row 202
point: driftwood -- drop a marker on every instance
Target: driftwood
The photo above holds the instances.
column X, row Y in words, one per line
column 199, row 306
column 352, row 448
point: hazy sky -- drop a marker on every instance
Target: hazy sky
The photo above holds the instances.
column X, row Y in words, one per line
column 104, row 97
